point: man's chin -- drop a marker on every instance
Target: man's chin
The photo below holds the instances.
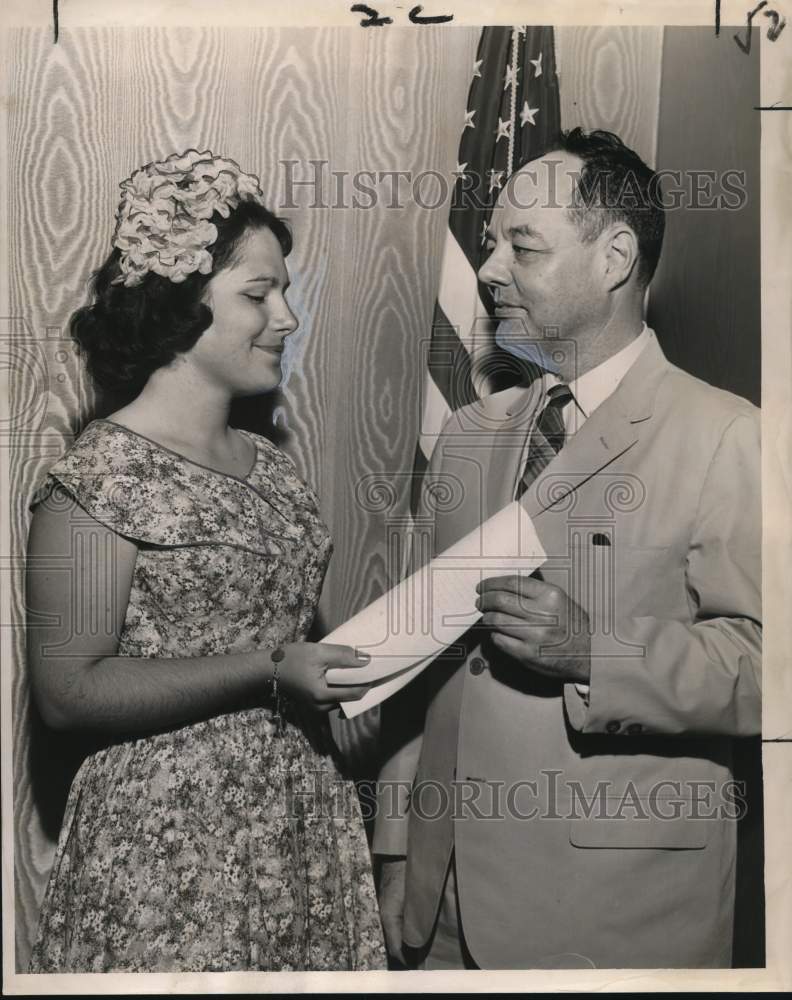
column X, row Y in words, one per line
column 517, row 336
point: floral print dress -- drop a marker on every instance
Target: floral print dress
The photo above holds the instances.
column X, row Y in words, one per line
column 232, row 843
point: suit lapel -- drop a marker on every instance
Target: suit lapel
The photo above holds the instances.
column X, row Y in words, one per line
column 606, row 434
column 509, row 448
column 481, row 457
column 610, row 431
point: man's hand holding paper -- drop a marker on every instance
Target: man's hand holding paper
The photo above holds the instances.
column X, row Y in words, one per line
column 538, row 624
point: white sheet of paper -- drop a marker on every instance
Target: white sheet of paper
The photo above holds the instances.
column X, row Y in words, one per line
column 407, row 627
column 384, row 690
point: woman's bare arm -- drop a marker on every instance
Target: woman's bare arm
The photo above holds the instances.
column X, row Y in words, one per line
column 79, row 577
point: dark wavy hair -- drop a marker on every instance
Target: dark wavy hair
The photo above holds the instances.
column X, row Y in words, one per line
column 615, row 185
column 126, row 333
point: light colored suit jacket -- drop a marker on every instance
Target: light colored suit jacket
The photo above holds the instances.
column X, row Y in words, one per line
column 602, row 831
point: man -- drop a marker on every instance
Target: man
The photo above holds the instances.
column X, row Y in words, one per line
column 572, row 802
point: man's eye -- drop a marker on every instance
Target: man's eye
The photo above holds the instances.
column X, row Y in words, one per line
column 522, row 250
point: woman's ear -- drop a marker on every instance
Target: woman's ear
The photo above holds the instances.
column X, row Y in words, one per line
column 620, row 254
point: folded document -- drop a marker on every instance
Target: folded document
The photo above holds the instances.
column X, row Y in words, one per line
column 411, row 624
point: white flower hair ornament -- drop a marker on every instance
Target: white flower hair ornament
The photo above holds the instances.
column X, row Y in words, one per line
column 162, row 222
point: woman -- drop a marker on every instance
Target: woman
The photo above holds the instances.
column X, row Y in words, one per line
column 212, row 830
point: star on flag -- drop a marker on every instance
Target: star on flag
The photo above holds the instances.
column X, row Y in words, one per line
column 460, row 169
column 510, row 79
column 469, row 120
column 504, row 129
column 527, row 114
column 537, row 65
column 483, row 233
column 477, row 67
column 495, row 179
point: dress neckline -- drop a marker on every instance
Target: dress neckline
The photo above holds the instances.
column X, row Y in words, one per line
column 218, row 472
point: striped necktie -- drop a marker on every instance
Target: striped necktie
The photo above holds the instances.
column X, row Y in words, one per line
column 549, row 440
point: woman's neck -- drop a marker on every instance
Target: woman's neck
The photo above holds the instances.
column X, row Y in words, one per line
column 182, row 409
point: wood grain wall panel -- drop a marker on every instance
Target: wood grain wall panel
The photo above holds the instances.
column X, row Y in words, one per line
column 56, row 169
column 180, row 91
column 389, row 298
column 609, row 77
column 102, row 102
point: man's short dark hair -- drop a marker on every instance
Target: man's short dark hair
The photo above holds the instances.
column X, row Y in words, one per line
column 615, row 185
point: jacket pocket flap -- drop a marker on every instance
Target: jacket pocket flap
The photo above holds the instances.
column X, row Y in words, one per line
column 685, row 834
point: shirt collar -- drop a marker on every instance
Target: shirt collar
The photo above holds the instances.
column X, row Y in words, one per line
column 593, row 387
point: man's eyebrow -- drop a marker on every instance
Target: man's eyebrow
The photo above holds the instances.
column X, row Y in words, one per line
column 524, row 230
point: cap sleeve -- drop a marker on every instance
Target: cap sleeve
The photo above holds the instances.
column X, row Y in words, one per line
column 155, row 497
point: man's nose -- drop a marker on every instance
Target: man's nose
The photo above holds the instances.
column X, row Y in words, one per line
column 493, row 272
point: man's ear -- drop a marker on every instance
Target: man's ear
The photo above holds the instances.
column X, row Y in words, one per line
column 620, row 250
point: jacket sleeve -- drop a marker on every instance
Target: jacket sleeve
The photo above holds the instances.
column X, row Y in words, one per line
column 701, row 677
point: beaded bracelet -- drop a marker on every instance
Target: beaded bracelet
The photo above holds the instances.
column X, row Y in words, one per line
column 276, row 656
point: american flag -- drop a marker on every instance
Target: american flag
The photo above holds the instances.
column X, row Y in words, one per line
column 512, row 112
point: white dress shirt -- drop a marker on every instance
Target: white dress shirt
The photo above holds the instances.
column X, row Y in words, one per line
column 592, row 388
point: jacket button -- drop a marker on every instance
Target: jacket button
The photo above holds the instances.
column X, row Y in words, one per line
column 613, row 726
column 634, row 728
column 477, row 665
